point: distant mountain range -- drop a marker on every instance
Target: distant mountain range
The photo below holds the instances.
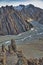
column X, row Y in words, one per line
column 17, row 19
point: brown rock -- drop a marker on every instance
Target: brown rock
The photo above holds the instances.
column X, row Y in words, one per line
column 21, row 59
column 3, row 58
column 13, row 45
column 3, row 48
column 20, row 53
column 10, row 49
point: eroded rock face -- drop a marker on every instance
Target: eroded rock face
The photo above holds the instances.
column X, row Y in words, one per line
column 2, row 58
column 3, row 48
column 13, row 21
column 13, row 44
column 21, row 59
column 3, row 55
column 12, row 47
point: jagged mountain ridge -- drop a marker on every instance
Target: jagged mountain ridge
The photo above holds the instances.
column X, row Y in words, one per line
column 30, row 11
column 14, row 20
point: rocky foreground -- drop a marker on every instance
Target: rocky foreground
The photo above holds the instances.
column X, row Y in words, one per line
column 12, row 56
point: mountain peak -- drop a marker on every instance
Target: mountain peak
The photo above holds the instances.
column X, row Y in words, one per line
column 30, row 6
column 22, row 5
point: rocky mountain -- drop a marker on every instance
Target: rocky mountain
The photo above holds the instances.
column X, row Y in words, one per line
column 15, row 20
column 30, row 11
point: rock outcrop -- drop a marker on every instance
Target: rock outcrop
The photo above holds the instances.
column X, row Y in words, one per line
column 12, row 47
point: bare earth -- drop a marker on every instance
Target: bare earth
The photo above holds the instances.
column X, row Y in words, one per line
column 32, row 50
column 29, row 51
